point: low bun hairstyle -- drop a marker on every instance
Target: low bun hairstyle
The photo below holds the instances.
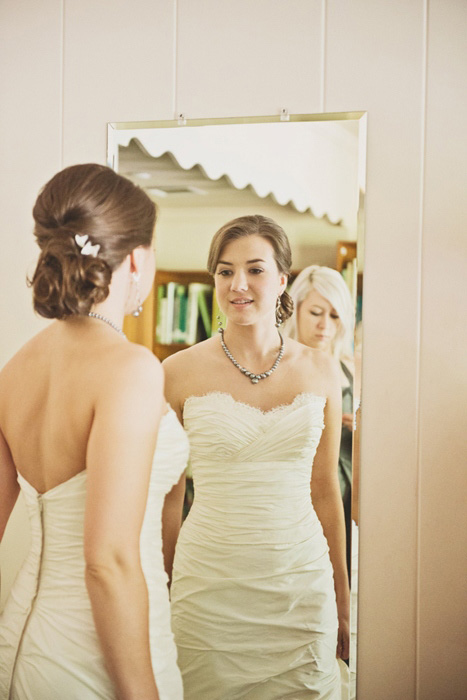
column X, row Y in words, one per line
column 256, row 225
column 90, row 200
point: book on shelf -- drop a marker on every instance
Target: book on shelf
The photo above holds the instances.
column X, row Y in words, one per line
column 179, row 314
column 205, row 308
column 199, row 303
column 170, row 293
column 184, row 312
column 349, row 273
column 165, row 312
column 161, row 326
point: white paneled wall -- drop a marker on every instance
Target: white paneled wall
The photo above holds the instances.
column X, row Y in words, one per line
column 70, row 66
column 442, row 598
column 30, row 145
column 244, row 58
column 30, row 142
column 119, row 63
column 375, row 60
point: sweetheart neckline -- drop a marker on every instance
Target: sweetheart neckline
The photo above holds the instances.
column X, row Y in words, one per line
column 255, row 408
column 41, row 494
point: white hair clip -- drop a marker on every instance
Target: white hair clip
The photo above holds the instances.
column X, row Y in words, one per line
column 86, row 246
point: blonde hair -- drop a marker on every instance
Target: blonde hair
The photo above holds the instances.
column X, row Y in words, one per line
column 256, row 225
column 331, row 285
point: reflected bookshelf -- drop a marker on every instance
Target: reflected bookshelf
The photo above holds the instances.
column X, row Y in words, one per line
column 346, row 264
column 185, row 310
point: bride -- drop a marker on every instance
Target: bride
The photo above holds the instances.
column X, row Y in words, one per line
column 260, row 598
column 88, row 616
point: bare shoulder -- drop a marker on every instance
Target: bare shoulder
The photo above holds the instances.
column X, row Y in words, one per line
column 322, row 369
column 14, row 369
column 29, row 348
column 184, row 360
column 185, row 370
column 130, row 364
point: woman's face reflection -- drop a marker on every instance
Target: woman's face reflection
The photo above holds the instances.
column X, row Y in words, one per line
column 247, row 280
column 317, row 321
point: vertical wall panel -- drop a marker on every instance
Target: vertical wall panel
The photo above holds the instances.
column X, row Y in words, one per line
column 30, row 111
column 375, row 62
column 242, row 58
column 30, row 36
column 118, row 66
column 443, row 387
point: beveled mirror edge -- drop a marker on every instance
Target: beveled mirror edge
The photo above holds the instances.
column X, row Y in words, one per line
column 112, row 127
column 264, row 119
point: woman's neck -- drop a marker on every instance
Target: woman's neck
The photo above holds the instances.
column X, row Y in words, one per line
column 254, row 342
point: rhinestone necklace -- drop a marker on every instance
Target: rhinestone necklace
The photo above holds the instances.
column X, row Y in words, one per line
column 93, row 314
column 255, row 378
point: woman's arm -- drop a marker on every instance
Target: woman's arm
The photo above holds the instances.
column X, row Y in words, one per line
column 327, row 502
column 171, row 523
column 10, row 487
column 356, row 465
column 119, row 459
column 176, row 376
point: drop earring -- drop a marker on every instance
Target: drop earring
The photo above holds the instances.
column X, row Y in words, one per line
column 139, row 305
column 278, row 312
column 219, row 324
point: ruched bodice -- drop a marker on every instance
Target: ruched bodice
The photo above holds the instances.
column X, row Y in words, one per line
column 48, row 644
column 253, row 605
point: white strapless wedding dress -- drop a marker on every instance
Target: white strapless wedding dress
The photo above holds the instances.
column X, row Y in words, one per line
column 49, row 649
column 253, row 603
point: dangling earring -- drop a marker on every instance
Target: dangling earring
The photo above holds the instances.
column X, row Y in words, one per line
column 278, row 312
column 139, row 305
column 219, row 324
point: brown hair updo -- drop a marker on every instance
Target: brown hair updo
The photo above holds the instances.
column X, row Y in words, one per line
column 256, row 225
column 85, row 199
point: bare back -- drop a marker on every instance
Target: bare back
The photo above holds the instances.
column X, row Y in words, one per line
column 48, row 394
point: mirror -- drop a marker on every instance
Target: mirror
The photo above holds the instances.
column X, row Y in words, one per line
column 307, row 172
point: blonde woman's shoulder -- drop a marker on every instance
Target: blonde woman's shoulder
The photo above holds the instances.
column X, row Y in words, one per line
column 299, row 351
column 312, row 362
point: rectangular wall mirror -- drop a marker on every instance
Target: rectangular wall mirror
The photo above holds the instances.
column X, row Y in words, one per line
column 307, row 172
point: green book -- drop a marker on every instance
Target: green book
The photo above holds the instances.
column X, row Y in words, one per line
column 161, row 313
column 205, row 308
column 198, row 313
column 179, row 314
column 171, row 286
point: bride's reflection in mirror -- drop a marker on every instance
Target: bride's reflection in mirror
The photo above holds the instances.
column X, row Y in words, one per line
column 307, row 175
column 259, row 565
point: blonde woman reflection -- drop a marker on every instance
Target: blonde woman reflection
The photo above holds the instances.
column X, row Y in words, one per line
column 324, row 319
column 89, row 616
column 258, row 568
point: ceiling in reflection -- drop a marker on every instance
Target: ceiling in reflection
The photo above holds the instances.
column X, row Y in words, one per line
column 310, row 168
